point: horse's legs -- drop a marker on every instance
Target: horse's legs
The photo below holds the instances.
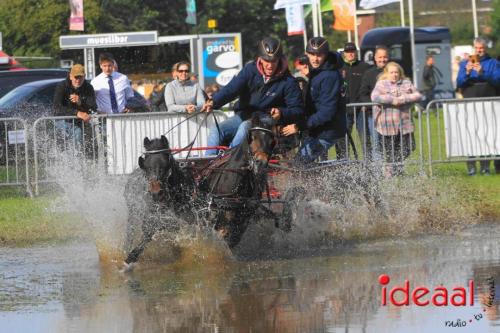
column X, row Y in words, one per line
column 149, row 228
column 133, row 256
column 237, row 228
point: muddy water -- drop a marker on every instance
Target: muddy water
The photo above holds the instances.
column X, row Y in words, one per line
column 65, row 288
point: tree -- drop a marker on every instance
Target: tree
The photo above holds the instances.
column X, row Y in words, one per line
column 495, row 27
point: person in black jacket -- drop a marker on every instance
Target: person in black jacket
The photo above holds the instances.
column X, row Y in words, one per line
column 74, row 97
column 325, row 122
column 368, row 82
column 352, row 72
column 429, row 80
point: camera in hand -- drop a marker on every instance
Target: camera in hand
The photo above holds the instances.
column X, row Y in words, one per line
column 474, row 58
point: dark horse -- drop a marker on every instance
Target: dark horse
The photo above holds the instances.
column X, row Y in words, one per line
column 157, row 194
column 234, row 182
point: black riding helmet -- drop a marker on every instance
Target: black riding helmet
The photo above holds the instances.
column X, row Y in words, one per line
column 270, row 49
column 317, row 45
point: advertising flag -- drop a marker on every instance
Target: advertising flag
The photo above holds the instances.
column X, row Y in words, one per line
column 288, row 3
column 295, row 20
column 344, row 11
column 191, row 12
column 369, row 4
column 76, row 18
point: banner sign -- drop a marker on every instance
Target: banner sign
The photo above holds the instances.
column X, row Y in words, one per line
column 221, row 58
column 191, row 12
column 109, row 40
column 295, row 20
column 287, row 3
column 344, row 11
column 370, row 4
column 76, row 18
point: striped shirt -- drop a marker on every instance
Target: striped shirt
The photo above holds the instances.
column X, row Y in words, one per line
column 179, row 95
column 391, row 119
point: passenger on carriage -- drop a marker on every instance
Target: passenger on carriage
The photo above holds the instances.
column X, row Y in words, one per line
column 262, row 85
column 324, row 122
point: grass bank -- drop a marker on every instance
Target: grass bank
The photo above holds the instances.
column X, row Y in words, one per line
column 27, row 221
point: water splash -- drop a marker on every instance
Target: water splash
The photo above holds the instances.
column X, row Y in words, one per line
column 96, row 198
column 351, row 205
column 341, row 206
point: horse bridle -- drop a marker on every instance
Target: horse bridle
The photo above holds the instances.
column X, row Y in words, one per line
column 259, row 129
column 158, row 151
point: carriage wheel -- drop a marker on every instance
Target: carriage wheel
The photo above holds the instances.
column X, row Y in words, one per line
column 293, row 198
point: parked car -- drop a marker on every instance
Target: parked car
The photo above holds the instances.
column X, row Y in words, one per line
column 29, row 102
column 12, row 79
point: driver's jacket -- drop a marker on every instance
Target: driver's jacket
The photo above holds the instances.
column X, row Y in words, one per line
column 280, row 91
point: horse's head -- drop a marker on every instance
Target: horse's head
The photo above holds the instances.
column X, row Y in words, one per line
column 157, row 163
column 261, row 140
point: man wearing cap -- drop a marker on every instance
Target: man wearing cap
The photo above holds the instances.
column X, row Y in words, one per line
column 74, row 97
column 262, row 85
column 352, row 71
column 325, row 122
column 112, row 89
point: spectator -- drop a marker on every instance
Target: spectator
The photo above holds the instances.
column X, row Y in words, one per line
column 368, row 82
column 429, row 80
column 393, row 122
column 211, row 90
column 74, row 97
column 157, row 97
column 479, row 76
column 112, row 89
column 182, row 94
column 352, row 72
column 301, row 65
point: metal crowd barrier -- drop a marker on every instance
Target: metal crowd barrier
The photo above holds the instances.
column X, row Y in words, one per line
column 460, row 130
column 14, row 154
column 396, row 150
column 116, row 139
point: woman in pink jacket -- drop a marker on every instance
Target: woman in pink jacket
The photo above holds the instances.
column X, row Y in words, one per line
column 393, row 121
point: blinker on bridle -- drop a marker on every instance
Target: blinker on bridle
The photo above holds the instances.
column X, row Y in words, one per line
column 262, row 129
column 148, row 152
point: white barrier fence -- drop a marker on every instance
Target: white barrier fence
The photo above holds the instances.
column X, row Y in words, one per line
column 117, row 140
column 448, row 131
column 460, row 130
column 125, row 135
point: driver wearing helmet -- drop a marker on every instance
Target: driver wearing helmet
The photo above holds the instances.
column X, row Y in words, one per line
column 325, row 122
column 262, row 85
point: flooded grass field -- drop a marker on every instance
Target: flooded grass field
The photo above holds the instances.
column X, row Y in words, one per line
column 323, row 276
column 65, row 288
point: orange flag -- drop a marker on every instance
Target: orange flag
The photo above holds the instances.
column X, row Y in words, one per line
column 343, row 11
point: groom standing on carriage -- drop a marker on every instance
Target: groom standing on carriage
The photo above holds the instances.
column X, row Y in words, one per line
column 264, row 85
column 325, row 121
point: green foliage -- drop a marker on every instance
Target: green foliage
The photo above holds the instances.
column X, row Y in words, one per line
column 495, row 25
column 389, row 19
column 33, row 27
column 28, row 26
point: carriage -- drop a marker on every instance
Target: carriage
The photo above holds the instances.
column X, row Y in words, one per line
column 227, row 190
